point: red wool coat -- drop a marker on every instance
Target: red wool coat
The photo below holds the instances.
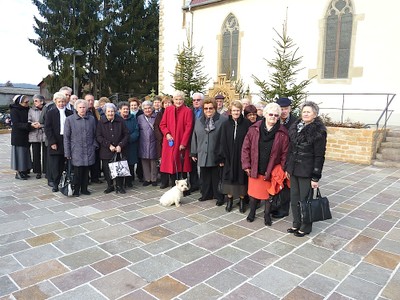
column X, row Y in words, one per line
column 179, row 123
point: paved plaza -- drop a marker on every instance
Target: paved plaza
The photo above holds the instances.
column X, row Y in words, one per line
column 129, row 247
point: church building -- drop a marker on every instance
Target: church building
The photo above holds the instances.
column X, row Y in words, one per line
column 350, row 49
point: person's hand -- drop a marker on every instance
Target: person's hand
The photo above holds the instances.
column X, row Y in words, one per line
column 314, row 184
column 287, row 175
column 112, row 148
column 221, row 164
column 54, row 147
column 118, row 149
column 247, row 172
column 169, row 137
column 194, row 158
column 181, row 147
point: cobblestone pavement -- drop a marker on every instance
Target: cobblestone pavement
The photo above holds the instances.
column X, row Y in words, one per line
column 129, row 247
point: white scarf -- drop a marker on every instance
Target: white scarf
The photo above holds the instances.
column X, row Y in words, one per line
column 62, row 119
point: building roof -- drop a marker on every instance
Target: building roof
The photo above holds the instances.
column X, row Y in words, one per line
column 18, row 91
column 196, row 3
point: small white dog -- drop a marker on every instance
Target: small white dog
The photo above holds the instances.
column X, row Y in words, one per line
column 175, row 194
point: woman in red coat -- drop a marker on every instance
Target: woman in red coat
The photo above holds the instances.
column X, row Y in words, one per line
column 265, row 146
column 176, row 127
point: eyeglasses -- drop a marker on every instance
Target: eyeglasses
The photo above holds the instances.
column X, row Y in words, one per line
column 196, row 100
column 208, row 108
column 36, row 100
column 273, row 115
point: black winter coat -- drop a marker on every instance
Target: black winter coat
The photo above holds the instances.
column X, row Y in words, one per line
column 20, row 125
column 230, row 150
column 112, row 133
column 52, row 130
column 307, row 150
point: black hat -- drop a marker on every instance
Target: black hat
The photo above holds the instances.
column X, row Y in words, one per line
column 284, row 102
column 219, row 96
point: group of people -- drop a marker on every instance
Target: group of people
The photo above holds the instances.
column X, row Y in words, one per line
column 244, row 152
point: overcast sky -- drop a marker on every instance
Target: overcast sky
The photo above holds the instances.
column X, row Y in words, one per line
column 19, row 60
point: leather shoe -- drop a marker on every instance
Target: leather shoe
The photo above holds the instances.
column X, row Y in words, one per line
column 163, row 186
column 292, row 230
column 250, row 219
column 220, row 202
column 109, row 190
column 50, row 183
column 20, row 175
column 86, row 193
column 38, row 176
column 54, row 189
column 120, row 190
column 146, row 183
column 300, row 234
column 154, row 183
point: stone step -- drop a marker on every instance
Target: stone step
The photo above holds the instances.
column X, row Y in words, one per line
column 389, row 154
column 391, row 144
column 393, row 139
column 386, row 163
column 393, row 133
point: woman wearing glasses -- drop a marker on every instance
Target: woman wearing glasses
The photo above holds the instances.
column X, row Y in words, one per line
column 263, row 159
column 205, row 150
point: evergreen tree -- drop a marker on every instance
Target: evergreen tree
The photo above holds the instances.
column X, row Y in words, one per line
column 282, row 81
column 119, row 39
column 188, row 76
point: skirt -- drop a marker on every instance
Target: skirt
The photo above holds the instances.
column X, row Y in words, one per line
column 235, row 190
column 258, row 188
column 20, row 158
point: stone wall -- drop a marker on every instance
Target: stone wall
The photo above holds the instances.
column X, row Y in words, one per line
column 352, row 145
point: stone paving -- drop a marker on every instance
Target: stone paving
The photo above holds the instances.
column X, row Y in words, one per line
column 129, row 247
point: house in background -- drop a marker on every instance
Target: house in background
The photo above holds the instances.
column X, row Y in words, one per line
column 7, row 93
column 347, row 46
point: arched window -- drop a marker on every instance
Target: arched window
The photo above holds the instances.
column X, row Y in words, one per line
column 230, row 47
column 338, row 32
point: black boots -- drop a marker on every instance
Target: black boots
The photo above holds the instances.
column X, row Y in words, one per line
column 267, row 213
column 253, row 207
column 242, row 205
column 229, row 203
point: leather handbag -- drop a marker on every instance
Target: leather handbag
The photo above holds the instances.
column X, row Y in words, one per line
column 314, row 209
column 65, row 186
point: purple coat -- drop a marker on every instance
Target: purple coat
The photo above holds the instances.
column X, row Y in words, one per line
column 147, row 137
column 250, row 151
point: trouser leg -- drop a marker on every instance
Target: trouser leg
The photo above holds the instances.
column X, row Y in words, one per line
column 299, row 188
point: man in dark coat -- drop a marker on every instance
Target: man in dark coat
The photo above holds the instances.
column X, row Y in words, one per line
column 283, row 198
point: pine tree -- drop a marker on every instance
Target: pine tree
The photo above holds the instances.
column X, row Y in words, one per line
column 188, row 75
column 282, row 81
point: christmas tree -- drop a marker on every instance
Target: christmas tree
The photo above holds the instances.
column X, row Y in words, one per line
column 282, row 81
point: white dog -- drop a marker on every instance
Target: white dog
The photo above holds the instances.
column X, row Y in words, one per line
column 175, row 194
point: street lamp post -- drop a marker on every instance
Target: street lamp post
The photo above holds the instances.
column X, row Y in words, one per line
column 73, row 52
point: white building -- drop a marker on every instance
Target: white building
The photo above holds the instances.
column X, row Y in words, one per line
column 358, row 53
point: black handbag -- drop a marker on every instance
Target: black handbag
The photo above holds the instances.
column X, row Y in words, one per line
column 314, row 209
column 65, row 186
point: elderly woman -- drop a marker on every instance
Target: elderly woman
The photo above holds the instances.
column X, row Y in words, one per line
column 20, row 156
column 234, row 179
column 250, row 113
column 305, row 160
column 80, row 145
column 263, row 158
column 165, row 102
column 54, row 129
column 148, row 144
column 37, row 137
column 176, row 127
column 133, row 141
column 205, row 150
column 113, row 137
